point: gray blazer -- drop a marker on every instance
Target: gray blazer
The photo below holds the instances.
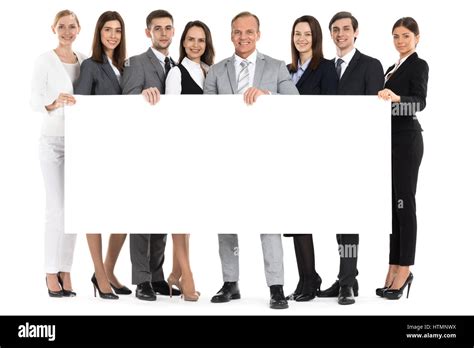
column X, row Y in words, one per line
column 97, row 79
column 142, row 72
column 270, row 74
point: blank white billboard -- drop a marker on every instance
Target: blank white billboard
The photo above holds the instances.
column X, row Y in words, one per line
column 211, row 164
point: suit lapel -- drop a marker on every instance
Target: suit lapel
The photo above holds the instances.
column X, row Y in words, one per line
column 110, row 74
column 303, row 77
column 405, row 65
column 259, row 69
column 353, row 63
column 231, row 74
column 156, row 64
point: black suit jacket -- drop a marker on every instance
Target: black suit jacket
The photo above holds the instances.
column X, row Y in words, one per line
column 410, row 82
column 322, row 80
column 363, row 76
column 97, row 79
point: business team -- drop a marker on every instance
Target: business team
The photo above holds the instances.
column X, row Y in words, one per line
column 62, row 72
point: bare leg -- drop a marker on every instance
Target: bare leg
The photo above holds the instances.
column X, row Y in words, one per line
column 66, row 279
column 52, row 282
column 181, row 248
column 115, row 245
column 391, row 274
column 95, row 247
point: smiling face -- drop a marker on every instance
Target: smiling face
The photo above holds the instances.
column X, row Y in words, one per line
column 66, row 29
column 343, row 35
column 405, row 41
column 110, row 35
column 195, row 43
column 302, row 38
column 161, row 32
column 244, row 36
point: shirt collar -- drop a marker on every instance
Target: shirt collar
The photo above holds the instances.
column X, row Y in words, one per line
column 348, row 57
column 252, row 58
column 161, row 57
column 305, row 65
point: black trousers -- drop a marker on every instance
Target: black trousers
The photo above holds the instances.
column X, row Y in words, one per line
column 407, row 152
column 348, row 252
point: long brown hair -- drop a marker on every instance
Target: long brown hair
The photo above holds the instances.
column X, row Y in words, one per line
column 208, row 55
column 316, row 43
column 119, row 55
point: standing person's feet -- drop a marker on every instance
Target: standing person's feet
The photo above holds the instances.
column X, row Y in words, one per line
column 346, row 295
column 333, row 290
column 145, row 292
column 54, row 288
column 186, row 285
column 161, row 287
column 311, row 288
column 118, row 287
column 277, row 297
column 229, row 291
column 66, row 292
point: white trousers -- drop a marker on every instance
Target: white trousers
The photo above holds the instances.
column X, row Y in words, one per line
column 58, row 247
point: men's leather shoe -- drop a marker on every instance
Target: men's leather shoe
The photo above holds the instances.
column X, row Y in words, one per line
column 161, row 287
column 346, row 296
column 229, row 291
column 333, row 290
column 277, row 297
column 145, row 292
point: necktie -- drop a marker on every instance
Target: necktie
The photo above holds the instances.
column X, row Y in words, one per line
column 167, row 65
column 243, row 80
column 338, row 67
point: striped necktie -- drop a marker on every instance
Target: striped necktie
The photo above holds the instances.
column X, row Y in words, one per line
column 243, row 80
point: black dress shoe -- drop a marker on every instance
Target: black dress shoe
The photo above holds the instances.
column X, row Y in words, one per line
column 277, row 297
column 395, row 294
column 229, row 291
column 121, row 291
column 145, row 292
column 66, row 293
column 161, row 287
column 346, row 296
column 104, row 295
column 380, row 291
column 333, row 290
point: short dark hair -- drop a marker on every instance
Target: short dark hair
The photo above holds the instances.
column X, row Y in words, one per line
column 208, row 55
column 246, row 14
column 316, row 43
column 343, row 15
column 157, row 14
column 118, row 57
column 409, row 23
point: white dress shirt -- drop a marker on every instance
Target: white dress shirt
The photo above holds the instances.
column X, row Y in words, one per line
column 114, row 68
column 252, row 59
column 161, row 57
column 347, row 59
column 173, row 81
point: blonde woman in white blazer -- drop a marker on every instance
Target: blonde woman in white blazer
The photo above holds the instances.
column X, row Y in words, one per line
column 52, row 88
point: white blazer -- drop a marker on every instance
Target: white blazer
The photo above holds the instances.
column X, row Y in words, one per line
column 49, row 80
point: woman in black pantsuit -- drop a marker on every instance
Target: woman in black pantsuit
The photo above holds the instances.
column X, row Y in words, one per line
column 313, row 75
column 406, row 86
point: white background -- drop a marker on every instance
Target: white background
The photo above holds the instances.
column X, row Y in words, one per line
column 443, row 271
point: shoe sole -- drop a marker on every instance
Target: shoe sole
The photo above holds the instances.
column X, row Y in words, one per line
column 279, row 307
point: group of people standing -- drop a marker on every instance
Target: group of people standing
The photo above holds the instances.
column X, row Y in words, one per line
column 63, row 72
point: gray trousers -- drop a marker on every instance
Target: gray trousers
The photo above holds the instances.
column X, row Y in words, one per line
column 147, row 252
column 272, row 257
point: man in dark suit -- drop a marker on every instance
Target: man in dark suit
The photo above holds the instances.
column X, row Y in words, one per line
column 358, row 75
column 146, row 74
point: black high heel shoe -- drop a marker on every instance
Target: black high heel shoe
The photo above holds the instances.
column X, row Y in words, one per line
column 297, row 292
column 312, row 292
column 394, row 294
column 66, row 293
column 121, row 291
column 380, row 291
column 52, row 293
column 104, row 295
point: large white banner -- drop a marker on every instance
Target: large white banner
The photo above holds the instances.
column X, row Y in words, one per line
column 211, row 164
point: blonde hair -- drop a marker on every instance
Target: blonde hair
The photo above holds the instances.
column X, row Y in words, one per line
column 65, row 13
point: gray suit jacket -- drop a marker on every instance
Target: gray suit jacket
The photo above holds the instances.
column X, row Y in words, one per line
column 97, row 79
column 142, row 72
column 270, row 74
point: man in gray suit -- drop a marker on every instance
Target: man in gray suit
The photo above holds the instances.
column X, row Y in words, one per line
column 252, row 74
column 146, row 74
